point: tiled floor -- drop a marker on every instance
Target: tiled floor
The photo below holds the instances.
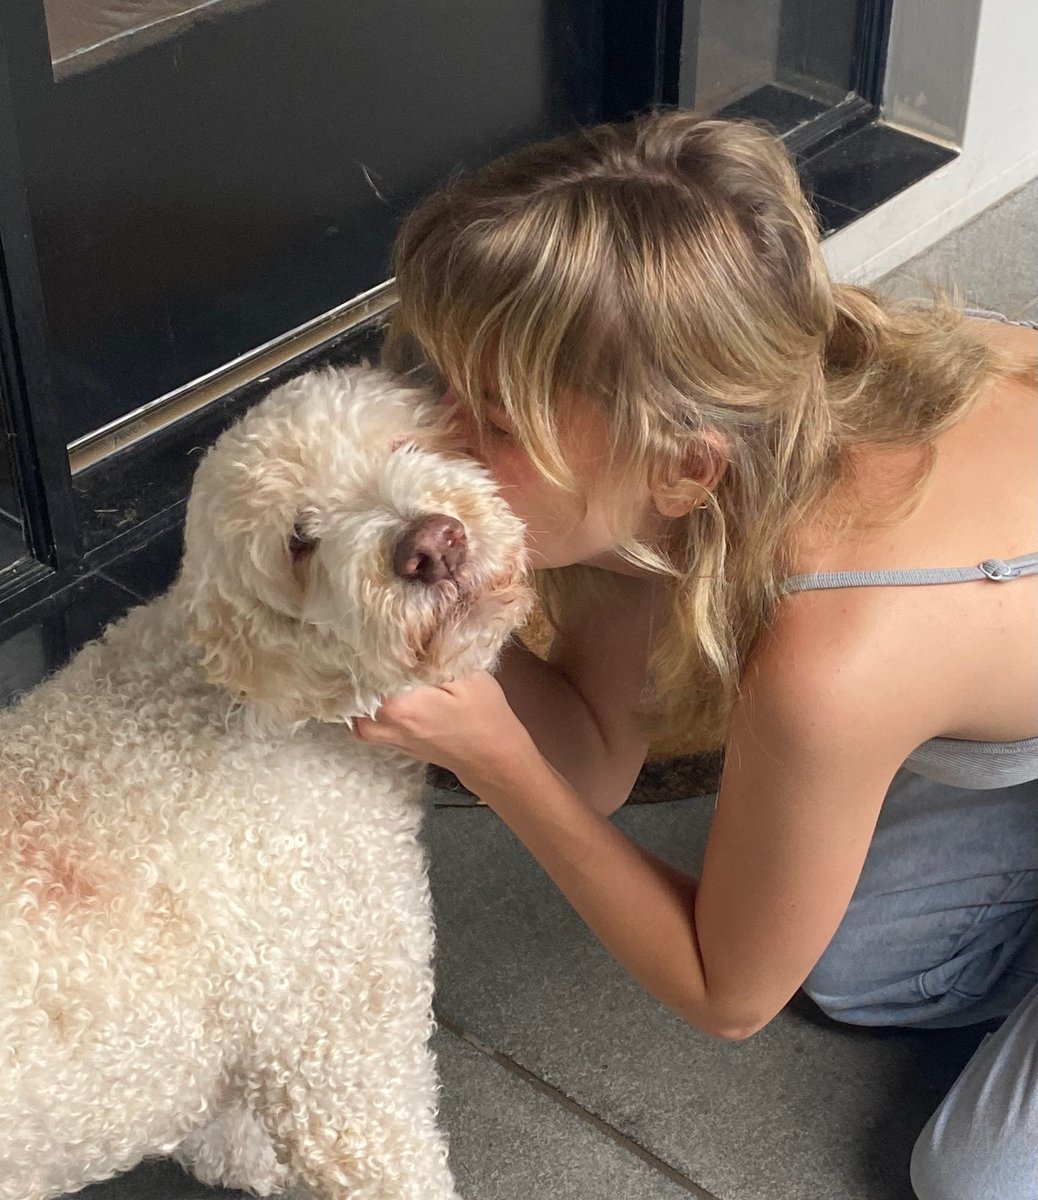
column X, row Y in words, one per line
column 561, row 1079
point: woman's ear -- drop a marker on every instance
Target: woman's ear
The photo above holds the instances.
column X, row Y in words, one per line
column 692, row 480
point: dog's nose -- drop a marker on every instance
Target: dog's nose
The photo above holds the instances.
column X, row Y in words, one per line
column 430, row 549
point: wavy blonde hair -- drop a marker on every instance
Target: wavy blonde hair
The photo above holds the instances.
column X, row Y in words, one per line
column 669, row 271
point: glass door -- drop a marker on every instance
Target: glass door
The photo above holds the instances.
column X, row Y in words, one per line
column 783, row 61
column 807, row 68
column 204, row 178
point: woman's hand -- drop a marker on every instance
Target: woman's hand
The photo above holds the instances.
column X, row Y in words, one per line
column 465, row 726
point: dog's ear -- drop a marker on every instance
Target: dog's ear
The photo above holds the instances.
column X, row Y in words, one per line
column 320, row 601
column 222, row 634
column 256, row 656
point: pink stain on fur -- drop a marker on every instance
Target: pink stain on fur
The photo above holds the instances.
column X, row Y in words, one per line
column 52, row 867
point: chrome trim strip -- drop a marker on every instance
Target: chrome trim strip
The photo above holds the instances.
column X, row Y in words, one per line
column 92, row 447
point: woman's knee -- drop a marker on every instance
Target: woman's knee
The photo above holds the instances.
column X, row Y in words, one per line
column 980, row 1144
column 972, row 1166
column 936, row 1176
column 941, row 1173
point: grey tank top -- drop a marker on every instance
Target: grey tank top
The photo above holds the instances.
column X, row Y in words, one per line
column 953, row 761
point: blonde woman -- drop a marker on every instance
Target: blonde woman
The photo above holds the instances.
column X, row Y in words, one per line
column 756, row 500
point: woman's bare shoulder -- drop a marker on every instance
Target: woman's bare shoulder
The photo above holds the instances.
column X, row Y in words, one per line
column 838, row 666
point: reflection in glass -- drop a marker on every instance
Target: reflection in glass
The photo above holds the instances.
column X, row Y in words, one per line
column 783, row 61
column 86, row 33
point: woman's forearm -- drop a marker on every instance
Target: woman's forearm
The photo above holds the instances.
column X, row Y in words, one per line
column 640, row 908
column 565, row 731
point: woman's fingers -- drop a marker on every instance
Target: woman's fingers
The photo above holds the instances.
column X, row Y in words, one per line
column 395, row 719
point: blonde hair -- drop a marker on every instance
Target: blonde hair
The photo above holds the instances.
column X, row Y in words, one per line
column 669, row 270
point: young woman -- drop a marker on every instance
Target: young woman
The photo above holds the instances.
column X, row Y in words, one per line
column 755, row 499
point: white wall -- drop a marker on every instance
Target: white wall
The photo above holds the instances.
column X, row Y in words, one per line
column 999, row 152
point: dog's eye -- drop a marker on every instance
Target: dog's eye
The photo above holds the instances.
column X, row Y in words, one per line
column 300, row 542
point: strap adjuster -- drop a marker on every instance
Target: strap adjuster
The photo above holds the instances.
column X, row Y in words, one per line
column 998, row 569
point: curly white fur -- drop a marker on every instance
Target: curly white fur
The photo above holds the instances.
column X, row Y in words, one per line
column 215, row 930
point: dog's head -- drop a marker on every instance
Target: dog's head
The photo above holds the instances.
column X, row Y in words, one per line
column 338, row 551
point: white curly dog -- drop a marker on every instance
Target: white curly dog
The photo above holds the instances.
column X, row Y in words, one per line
column 215, row 926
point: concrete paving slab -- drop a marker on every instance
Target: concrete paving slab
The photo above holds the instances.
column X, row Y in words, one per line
column 993, row 259
column 508, row 1139
column 805, row 1110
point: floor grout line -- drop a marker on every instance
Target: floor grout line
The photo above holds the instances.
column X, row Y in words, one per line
column 583, row 1114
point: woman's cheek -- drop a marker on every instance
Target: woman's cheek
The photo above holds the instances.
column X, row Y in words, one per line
column 514, row 472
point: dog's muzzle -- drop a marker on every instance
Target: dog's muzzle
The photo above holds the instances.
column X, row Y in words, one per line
column 431, row 549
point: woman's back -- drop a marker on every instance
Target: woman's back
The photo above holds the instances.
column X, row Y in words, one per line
column 978, row 641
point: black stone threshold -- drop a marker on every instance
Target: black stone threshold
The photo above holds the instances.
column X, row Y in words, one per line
column 857, row 173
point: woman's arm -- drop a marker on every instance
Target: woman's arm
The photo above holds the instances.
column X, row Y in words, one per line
column 816, row 737
column 579, row 706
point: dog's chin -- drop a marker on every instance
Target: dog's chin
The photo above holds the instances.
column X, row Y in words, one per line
column 456, row 591
column 471, row 626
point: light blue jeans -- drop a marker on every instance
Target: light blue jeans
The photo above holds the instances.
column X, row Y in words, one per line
column 943, row 931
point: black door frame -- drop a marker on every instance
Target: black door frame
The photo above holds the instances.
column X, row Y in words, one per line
column 38, row 450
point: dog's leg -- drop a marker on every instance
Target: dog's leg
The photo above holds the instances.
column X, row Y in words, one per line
column 233, row 1151
column 375, row 1139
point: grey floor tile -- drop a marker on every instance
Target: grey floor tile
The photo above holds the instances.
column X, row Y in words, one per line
column 508, row 1140
column 806, row 1110
column 156, row 1179
column 992, row 259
